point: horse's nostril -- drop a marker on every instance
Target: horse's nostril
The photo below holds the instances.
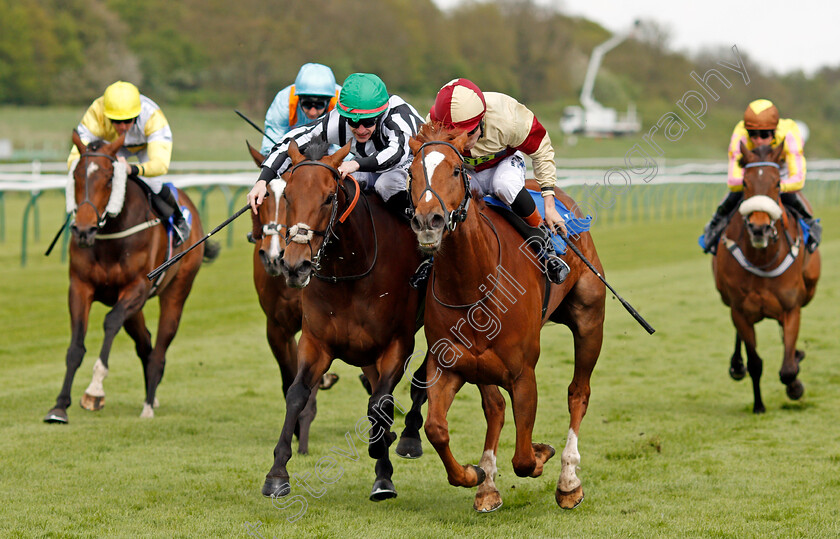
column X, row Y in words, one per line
column 415, row 224
column 437, row 222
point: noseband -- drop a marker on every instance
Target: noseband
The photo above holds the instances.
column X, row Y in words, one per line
column 459, row 214
column 761, row 202
column 304, row 235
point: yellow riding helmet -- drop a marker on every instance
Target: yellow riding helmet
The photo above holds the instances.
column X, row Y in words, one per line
column 122, row 101
column 761, row 114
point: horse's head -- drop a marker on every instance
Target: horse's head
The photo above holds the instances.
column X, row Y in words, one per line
column 97, row 190
column 438, row 183
column 761, row 207
column 267, row 226
column 313, row 191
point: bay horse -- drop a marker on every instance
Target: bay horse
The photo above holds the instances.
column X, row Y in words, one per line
column 764, row 271
column 116, row 241
column 280, row 303
column 486, row 302
column 358, row 307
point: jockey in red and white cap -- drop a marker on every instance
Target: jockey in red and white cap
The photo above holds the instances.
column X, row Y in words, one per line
column 501, row 131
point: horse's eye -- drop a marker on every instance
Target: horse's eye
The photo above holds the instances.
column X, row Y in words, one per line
column 329, row 200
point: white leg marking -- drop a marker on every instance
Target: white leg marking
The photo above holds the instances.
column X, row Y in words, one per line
column 95, row 388
column 488, row 464
column 571, row 460
column 148, row 412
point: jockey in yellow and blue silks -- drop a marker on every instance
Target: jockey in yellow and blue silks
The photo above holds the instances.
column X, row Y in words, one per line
column 313, row 94
column 762, row 126
column 122, row 110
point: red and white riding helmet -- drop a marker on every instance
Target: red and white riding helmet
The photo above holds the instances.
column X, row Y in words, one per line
column 459, row 105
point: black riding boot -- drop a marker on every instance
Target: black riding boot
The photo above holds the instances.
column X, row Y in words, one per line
column 714, row 229
column 794, row 202
column 539, row 238
column 166, row 206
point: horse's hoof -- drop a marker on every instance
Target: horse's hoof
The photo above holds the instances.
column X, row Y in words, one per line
column 382, row 489
column 275, row 487
column 569, row 500
column 328, row 380
column 94, row 404
column 738, row 373
column 56, row 415
column 479, row 471
column 795, row 389
column 542, row 452
column 148, row 412
column 488, row 502
column 758, row 409
column 410, row 448
column 156, row 403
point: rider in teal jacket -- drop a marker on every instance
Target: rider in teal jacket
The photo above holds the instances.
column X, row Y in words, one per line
column 313, row 94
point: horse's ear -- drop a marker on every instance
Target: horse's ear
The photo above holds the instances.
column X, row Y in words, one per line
column 295, row 154
column 255, row 154
column 778, row 154
column 745, row 155
column 460, row 141
column 336, row 158
column 77, row 140
column 113, row 147
column 414, row 144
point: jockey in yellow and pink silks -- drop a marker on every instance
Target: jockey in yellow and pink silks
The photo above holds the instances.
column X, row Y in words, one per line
column 762, row 126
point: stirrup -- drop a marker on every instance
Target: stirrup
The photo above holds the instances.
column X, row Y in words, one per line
column 556, row 269
column 180, row 231
column 421, row 274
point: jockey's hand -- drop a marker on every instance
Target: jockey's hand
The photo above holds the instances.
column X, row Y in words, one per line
column 256, row 195
column 122, row 160
column 553, row 220
column 348, row 167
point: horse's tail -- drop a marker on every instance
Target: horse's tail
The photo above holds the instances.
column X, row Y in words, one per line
column 211, row 250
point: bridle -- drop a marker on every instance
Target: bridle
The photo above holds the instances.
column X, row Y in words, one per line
column 101, row 219
column 459, row 214
column 303, row 235
column 775, row 234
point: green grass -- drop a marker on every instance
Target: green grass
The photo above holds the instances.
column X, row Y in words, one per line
column 670, row 447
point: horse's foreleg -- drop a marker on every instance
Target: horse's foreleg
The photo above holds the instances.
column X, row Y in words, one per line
column 588, row 338
column 736, row 364
column 746, row 330
column 313, row 362
column 790, row 363
column 135, row 327
column 441, row 394
column 172, row 301
column 410, row 446
column 284, row 348
column 80, row 299
column 528, row 458
column 487, row 498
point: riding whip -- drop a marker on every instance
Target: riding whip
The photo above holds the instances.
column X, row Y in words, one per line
column 58, row 235
column 254, row 125
column 160, row 269
column 626, row 305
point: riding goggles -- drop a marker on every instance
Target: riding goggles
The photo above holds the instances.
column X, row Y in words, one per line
column 761, row 133
column 313, row 103
column 367, row 122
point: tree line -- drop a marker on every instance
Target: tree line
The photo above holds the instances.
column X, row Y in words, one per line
column 215, row 52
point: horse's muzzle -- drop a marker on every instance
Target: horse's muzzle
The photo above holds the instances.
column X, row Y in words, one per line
column 273, row 264
column 297, row 275
column 85, row 235
column 429, row 229
column 761, row 235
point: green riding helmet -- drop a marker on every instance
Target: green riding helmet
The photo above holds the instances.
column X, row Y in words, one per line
column 363, row 95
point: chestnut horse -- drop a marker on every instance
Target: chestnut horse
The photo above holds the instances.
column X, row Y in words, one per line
column 764, row 271
column 116, row 242
column 280, row 303
column 358, row 307
column 486, row 302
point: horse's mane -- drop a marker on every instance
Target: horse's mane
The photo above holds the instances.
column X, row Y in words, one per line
column 316, row 149
column 435, row 131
